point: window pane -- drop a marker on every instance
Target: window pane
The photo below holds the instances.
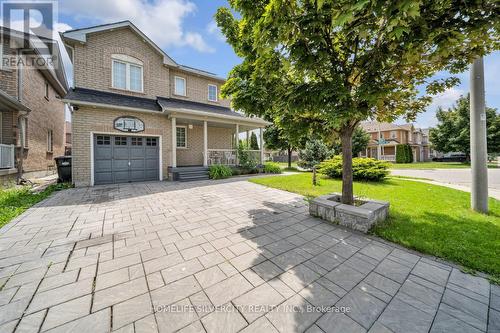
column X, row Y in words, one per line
column 212, row 93
column 135, row 78
column 119, row 75
column 180, row 86
column 181, row 137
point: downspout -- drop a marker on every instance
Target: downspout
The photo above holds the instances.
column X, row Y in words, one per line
column 20, row 122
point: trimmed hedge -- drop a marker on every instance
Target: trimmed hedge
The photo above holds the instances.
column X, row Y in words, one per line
column 404, row 153
column 362, row 168
column 271, row 167
column 219, row 172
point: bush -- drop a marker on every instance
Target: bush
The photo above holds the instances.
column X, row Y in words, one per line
column 246, row 160
column 237, row 171
column 404, row 153
column 314, row 152
column 272, row 168
column 362, row 168
column 219, row 172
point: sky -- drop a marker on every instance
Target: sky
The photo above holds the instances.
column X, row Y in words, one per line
column 186, row 30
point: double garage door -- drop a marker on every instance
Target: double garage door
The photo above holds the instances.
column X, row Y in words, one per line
column 122, row 159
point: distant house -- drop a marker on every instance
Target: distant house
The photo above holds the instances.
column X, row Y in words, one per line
column 67, row 138
column 384, row 137
column 31, row 110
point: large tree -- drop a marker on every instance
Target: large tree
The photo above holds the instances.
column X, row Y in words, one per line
column 333, row 63
column 452, row 134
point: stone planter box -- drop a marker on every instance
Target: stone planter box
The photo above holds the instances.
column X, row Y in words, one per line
column 360, row 217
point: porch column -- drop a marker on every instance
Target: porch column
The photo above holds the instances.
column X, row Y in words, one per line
column 248, row 141
column 205, row 144
column 261, row 145
column 237, row 143
column 174, row 142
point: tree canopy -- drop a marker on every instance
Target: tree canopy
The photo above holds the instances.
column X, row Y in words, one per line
column 452, row 134
column 326, row 65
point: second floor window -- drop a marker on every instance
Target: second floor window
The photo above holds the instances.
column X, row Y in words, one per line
column 127, row 76
column 212, row 93
column 394, row 134
column 180, row 86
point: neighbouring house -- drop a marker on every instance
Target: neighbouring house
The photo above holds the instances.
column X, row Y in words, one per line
column 384, row 137
column 67, row 138
column 31, row 110
column 138, row 115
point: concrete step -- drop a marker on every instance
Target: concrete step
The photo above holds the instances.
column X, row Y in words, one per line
column 185, row 178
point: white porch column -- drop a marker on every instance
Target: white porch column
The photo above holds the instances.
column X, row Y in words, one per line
column 174, row 142
column 237, row 143
column 261, row 145
column 205, row 144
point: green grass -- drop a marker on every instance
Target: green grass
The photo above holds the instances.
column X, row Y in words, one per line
column 435, row 165
column 431, row 219
column 15, row 201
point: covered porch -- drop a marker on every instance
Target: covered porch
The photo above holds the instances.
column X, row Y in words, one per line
column 211, row 142
column 381, row 152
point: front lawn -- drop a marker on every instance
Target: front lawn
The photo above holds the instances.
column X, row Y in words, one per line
column 435, row 165
column 431, row 219
column 15, row 201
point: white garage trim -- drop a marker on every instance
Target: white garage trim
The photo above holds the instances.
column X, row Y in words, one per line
column 124, row 134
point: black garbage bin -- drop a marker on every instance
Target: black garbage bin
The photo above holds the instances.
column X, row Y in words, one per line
column 63, row 168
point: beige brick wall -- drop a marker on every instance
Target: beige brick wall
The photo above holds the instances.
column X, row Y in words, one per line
column 93, row 68
column 87, row 120
column 45, row 114
column 8, row 76
column 196, row 88
column 218, row 138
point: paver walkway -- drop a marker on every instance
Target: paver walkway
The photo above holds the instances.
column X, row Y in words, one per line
column 219, row 257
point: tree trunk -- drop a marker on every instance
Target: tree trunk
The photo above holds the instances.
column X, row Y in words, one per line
column 289, row 157
column 314, row 176
column 347, row 186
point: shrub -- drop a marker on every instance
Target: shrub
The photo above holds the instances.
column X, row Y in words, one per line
column 314, row 153
column 245, row 159
column 219, row 172
column 272, row 168
column 362, row 168
column 404, row 153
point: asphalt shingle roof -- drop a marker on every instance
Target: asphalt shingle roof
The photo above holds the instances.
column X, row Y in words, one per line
column 102, row 97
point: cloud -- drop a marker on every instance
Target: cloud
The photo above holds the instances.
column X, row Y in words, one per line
column 161, row 20
column 214, row 30
column 444, row 100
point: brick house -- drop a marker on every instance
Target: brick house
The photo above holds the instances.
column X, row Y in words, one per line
column 31, row 110
column 384, row 137
column 138, row 115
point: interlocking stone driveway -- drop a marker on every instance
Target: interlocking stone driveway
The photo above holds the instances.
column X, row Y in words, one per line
column 219, row 257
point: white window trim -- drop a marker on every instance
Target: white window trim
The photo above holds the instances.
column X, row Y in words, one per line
column 185, row 139
column 1, row 53
column 175, row 85
column 50, row 141
column 216, row 93
column 1, row 126
column 127, row 74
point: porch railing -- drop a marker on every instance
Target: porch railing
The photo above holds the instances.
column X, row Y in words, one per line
column 229, row 156
column 222, row 156
column 7, row 156
column 390, row 158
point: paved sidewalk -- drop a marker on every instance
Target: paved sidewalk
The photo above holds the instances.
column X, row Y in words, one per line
column 222, row 256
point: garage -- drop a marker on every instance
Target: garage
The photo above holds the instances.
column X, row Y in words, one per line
column 125, row 159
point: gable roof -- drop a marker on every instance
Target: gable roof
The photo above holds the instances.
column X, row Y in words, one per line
column 80, row 35
column 375, row 126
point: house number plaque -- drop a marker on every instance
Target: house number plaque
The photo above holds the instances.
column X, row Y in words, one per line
column 129, row 124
